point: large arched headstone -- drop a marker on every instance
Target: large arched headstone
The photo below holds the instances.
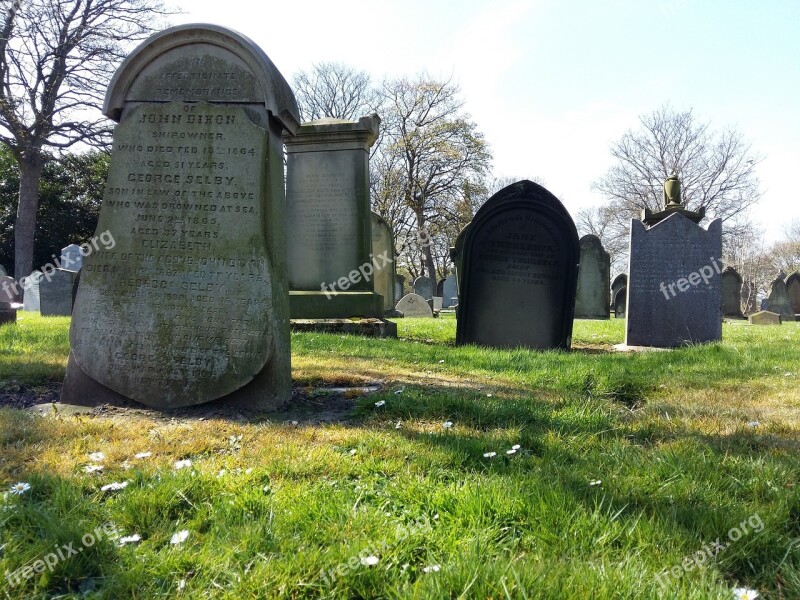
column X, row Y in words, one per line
column 190, row 304
column 520, row 269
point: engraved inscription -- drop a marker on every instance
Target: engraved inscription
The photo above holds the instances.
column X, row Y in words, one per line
column 187, row 287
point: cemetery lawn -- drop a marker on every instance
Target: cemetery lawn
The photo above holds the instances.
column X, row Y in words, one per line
column 628, row 469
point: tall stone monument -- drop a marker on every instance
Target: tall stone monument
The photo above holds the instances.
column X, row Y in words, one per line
column 731, row 293
column 331, row 263
column 383, row 245
column 793, row 289
column 674, row 284
column 778, row 300
column 191, row 304
column 594, row 277
column 518, row 272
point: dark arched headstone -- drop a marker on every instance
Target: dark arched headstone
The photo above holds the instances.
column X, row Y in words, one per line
column 520, row 271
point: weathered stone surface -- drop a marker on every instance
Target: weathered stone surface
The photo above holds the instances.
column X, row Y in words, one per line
column 71, row 258
column 594, row 277
column 55, row 293
column 674, row 284
column 379, row 328
column 3, row 272
column 793, row 289
column 383, row 245
column 778, row 300
column 10, row 290
column 423, row 286
column 437, row 303
column 327, row 189
column 31, row 297
column 765, row 317
column 731, row 293
column 449, row 292
column 191, row 304
column 518, row 271
column 414, row 305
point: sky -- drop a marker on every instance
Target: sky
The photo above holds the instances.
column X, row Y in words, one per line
column 552, row 84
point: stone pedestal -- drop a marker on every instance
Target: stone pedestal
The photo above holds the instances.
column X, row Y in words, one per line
column 331, row 263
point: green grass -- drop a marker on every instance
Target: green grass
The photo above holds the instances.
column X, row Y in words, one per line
column 665, row 433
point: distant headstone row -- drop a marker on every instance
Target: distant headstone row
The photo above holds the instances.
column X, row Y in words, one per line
column 213, row 257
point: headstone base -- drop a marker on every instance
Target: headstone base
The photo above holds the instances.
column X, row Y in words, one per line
column 765, row 317
column 264, row 393
column 342, row 305
column 8, row 315
column 379, row 328
column 626, row 348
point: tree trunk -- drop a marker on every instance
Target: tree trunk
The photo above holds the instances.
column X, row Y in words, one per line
column 25, row 226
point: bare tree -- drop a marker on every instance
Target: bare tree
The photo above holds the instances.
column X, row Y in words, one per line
column 56, row 58
column 433, row 161
column 333, row 89
column 717, row 172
